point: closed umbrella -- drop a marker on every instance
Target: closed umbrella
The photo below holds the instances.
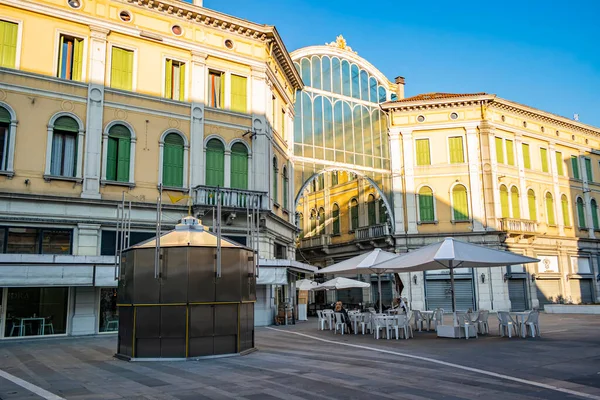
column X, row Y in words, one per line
column 452, row 254
column 366, row 263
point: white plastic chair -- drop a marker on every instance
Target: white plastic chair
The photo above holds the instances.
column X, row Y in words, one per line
column 463, row 320
column 438, row 317
column 379, row 323
column 328, row 315
column 506, row 324
column 366, row 322
column 322, row 320
column 482, row 322
column 339, row 322
column 403, row 324
column 532, row 324
column 420, row 320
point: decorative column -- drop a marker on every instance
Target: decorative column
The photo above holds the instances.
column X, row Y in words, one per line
column 197, row 97
column 397, row 186
column 476, row 187
column 408, row 145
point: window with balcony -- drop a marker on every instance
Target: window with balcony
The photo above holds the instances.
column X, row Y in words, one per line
column 239, row 97
column 121, row 75
column 455, row 145
column 63, row 159
column 173, row 158
column 174, row 80
column 22, row 240
column 215, row 163
column 526, row 156
column 550, row 220
column 426, row 210
column 239, row 165
column 575, row 167
column 353, row 214
column 216, row 89
column 8, row 44
column 581, row 213
column 423, row 154
column 335, row 216
column 564, row 202
column 118, row 153
column 544, row 159
column 70, row 58
column 532, row 205
column 514, row 202
column 460, row 205
column 372, row 218
column 504, row 201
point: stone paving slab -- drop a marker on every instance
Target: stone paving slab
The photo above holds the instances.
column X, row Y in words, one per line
column 291, row 366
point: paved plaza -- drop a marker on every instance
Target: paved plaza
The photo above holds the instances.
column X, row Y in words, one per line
column 300, row 362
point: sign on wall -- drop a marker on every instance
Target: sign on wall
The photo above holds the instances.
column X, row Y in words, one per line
column 548, row 264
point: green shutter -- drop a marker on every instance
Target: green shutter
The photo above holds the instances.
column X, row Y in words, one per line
column 575, row 166
column 559, row 164
column 77, row 59
column 123, row 160
column 423, row 156
column 456, row 150
column 544, row 159
column 595, row 214
column 8, row 44
column 499, row 151
column 581, row 213
column 565, row 210
column 67, row 124
column 169, row 79
column 336, row 219
column 181, row 82
column 371, row 211
column 111, row 159
column 426, row 205
column 238, row 94
column 514, row 199
column 550, row 209
column 526, row 157
column 354, row 214
column 173, row 161
column 531, row 204
column 460, row 204
column 504, row 201
column 588, row 169
column 510, row 152
column 215, row 163
column 4, row 116
column 239, row 166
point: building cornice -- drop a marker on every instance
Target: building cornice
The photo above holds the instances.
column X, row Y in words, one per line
column 437, row 103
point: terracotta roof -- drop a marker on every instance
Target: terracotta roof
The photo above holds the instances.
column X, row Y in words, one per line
column 437, row 96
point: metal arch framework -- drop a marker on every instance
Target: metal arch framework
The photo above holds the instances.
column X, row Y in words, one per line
column 382, row 195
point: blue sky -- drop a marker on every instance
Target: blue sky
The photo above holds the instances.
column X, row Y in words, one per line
column 545, row 54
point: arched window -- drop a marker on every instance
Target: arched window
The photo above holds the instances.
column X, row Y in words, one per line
column 286, row 188
column 215, row 163
column 6, row 139
column 313, row 222
column 275, row 180
column 335, row 216
column 326, row 66
column 595, row 214
column 63, row 161
column 531, row 204
column 118, row 153
column 550, row 209
column 460, row 205
column 564, row 203
column 353, row 214
column 306, row 71
column 504, row 201
column 354, row 72
column 373, row 89
column 239, row 166
column 426, row 212
column 581, row 212
column 173, row 160
column 346, row 80
column 316, row 72
column 372, row 218
column 335, row 178
column 514, row 200
column 382, row 94
column 383, row 217
column 364, row 85
column 318, row 124
column 321, row 221
column 336, row 76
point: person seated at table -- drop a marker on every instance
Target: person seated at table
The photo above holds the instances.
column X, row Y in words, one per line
column 399, row 305
column 339, row 307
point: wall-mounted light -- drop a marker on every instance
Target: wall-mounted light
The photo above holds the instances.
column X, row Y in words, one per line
column 415, row 279
column 506, row 277
column 27, row 182
column 482, row 277
column 533, row 277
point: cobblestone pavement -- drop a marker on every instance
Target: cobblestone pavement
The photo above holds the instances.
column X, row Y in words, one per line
column 300, row 362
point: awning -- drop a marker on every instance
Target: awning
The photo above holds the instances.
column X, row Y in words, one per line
column 292, row 265
column 274, row 272
column 272, row 276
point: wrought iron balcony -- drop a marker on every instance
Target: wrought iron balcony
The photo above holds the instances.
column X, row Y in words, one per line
column 315, row 241
column 518, row 226
column 230, row 198
column 372, row 232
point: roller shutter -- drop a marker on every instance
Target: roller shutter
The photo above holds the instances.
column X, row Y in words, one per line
column 581, row 291
column 438, row 294
column 517, row 293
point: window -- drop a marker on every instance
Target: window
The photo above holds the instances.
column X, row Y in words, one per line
column 63, row 160
column 174, row 80
column 550, row 209
column 564, row 203
column 301, row 224
column 8, row 44
column 383, row 217
column 239, row 166
column 50, row 304
column 575, row 166
column 313, row 223
column 5, row 120
column 460, row 204
column 17, row 240
column 581, row 212
column 544, row 159
column 172, row 174
column 504, row 201
column 121, row 75
column 514, row 200
column 334, row 178
column 282, row 132
column 531, row 204
column 321, row 221
column 594, row 207
column 108, row 240
column 423, row 156
column 275, row 179
column 353, row 214
column 426, row 211
column 70, row 58
column 559, row 164
column 239, row 99
column 118, row 153
column 335, row 214
column 456, row 150
column 510, row 152
column 526, row 157
column 499, row 151
column 286, row 188
column 372, row 218
column 280, row 252
column 588, row 169
column 216, row 89
column 215, row 163
column 109, row 312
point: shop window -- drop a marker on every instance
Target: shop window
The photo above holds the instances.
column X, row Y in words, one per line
column 18, row 240
column 109, row 313
column 36, row 311
column 107, row 241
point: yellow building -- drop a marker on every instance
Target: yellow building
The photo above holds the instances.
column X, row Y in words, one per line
column 104, row 100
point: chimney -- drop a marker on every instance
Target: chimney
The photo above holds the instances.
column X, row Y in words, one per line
column 400, row 88
column 198, row 3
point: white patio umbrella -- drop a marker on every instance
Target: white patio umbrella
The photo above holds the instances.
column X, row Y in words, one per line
column 341, row 283
column 305, row 284
column 366, row 263
column 452, row 254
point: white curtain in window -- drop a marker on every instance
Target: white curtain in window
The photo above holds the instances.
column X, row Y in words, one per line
column 216, row 89
column 69, row 156
column 57, row 155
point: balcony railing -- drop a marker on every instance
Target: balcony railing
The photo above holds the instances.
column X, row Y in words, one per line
column 230, row 198
column 511, row 225
column 372, row 232
column 315, row 241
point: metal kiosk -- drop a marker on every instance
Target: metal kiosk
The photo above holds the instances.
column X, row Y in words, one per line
column 179, row 307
